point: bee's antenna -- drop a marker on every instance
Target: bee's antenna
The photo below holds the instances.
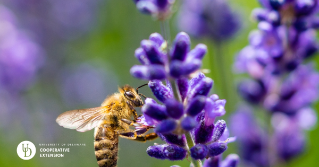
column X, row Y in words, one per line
column 140, row 87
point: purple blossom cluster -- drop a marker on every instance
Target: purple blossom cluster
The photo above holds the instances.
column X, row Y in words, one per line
column 208, row 18
column 20, row 56
column 191, row 112
column 55, row 20
column 280, row 82
column 159, row 9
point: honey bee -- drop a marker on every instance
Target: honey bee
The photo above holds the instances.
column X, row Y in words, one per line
column 110, row 121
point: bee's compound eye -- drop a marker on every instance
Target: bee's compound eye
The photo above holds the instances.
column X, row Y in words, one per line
column 129, row 94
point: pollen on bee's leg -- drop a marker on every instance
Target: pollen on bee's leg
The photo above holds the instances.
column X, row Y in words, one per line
column 130, row 135
column 131, row 123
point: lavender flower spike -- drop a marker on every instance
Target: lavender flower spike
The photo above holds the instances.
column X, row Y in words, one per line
column 192, row 116
column 231, row 160
column 281, row 83
column 208, row 18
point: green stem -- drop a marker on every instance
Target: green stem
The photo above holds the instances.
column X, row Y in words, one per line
column 190, row 143
column 222, row 71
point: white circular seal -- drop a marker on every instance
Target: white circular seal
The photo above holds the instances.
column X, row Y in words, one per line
column 26, row 150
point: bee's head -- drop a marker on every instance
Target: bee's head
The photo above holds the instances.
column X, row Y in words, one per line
column 131, row 95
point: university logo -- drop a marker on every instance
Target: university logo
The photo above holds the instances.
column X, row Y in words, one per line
column 26, row 150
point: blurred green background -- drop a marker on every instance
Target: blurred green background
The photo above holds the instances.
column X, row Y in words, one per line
column 107, row 50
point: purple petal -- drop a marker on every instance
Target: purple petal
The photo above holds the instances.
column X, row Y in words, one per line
column 155, row 111
column 160, row 91
column 148, row 72
column 156, row 151
column 202, row 88
column 181, row 46
column 196, row 105
column 182, row 84
column 219, row 129
column 173, row 152
column 152, row 52
column 179, row 68
column 199, row 151
column 146, row 7
column 216, row 148
column 166, row 126
column 189, row 123
column 194, row 81
column 141, row 57
column 198, row 52
column 157, row 38
column 231, row 160
column 174, row 108
column 179, row 140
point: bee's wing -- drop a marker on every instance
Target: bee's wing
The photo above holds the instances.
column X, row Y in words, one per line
column 82, row 120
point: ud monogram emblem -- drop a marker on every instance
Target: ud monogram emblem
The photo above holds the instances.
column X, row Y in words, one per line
column 26, row 150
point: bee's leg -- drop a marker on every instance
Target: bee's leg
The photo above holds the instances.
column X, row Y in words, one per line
column 135, row 115
column 142, row 95
column 147, row 137
column 130, row 123
column 133, row 111
column 137, row 135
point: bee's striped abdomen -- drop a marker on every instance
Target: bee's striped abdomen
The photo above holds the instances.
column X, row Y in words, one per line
column 106, row 146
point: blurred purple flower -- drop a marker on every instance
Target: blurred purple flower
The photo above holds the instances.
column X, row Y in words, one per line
column 20, row 56
column 84, row 83
column 289, row 137
column 50, row 19
column 252, row 139
column 231, row 160
column 212, row 18
column 281, row 83
column 160, row 9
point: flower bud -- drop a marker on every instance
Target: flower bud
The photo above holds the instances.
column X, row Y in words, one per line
column 303, row 8
column 169, row 138
column 194, row 81
column 152, row 52
column 155, row 111
column 231, row 160
column 173, row 152
column 166, row 126
column 276, row 4
column 179, row 68
column 180, row 47
column 196, row 105
column 146, row 7
column 198, row 52
column 174, row 108
column 219, row 129
column 156, row 151
column 157, row 39
column 252, row 91
column 202, row 88
column 212, row 161
column 148, row 72
column 216, row 148
column 141, row 56
column 160, row 91
column 199, row 151
column 182, row 84
column 189, row 123
column 162, row 4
